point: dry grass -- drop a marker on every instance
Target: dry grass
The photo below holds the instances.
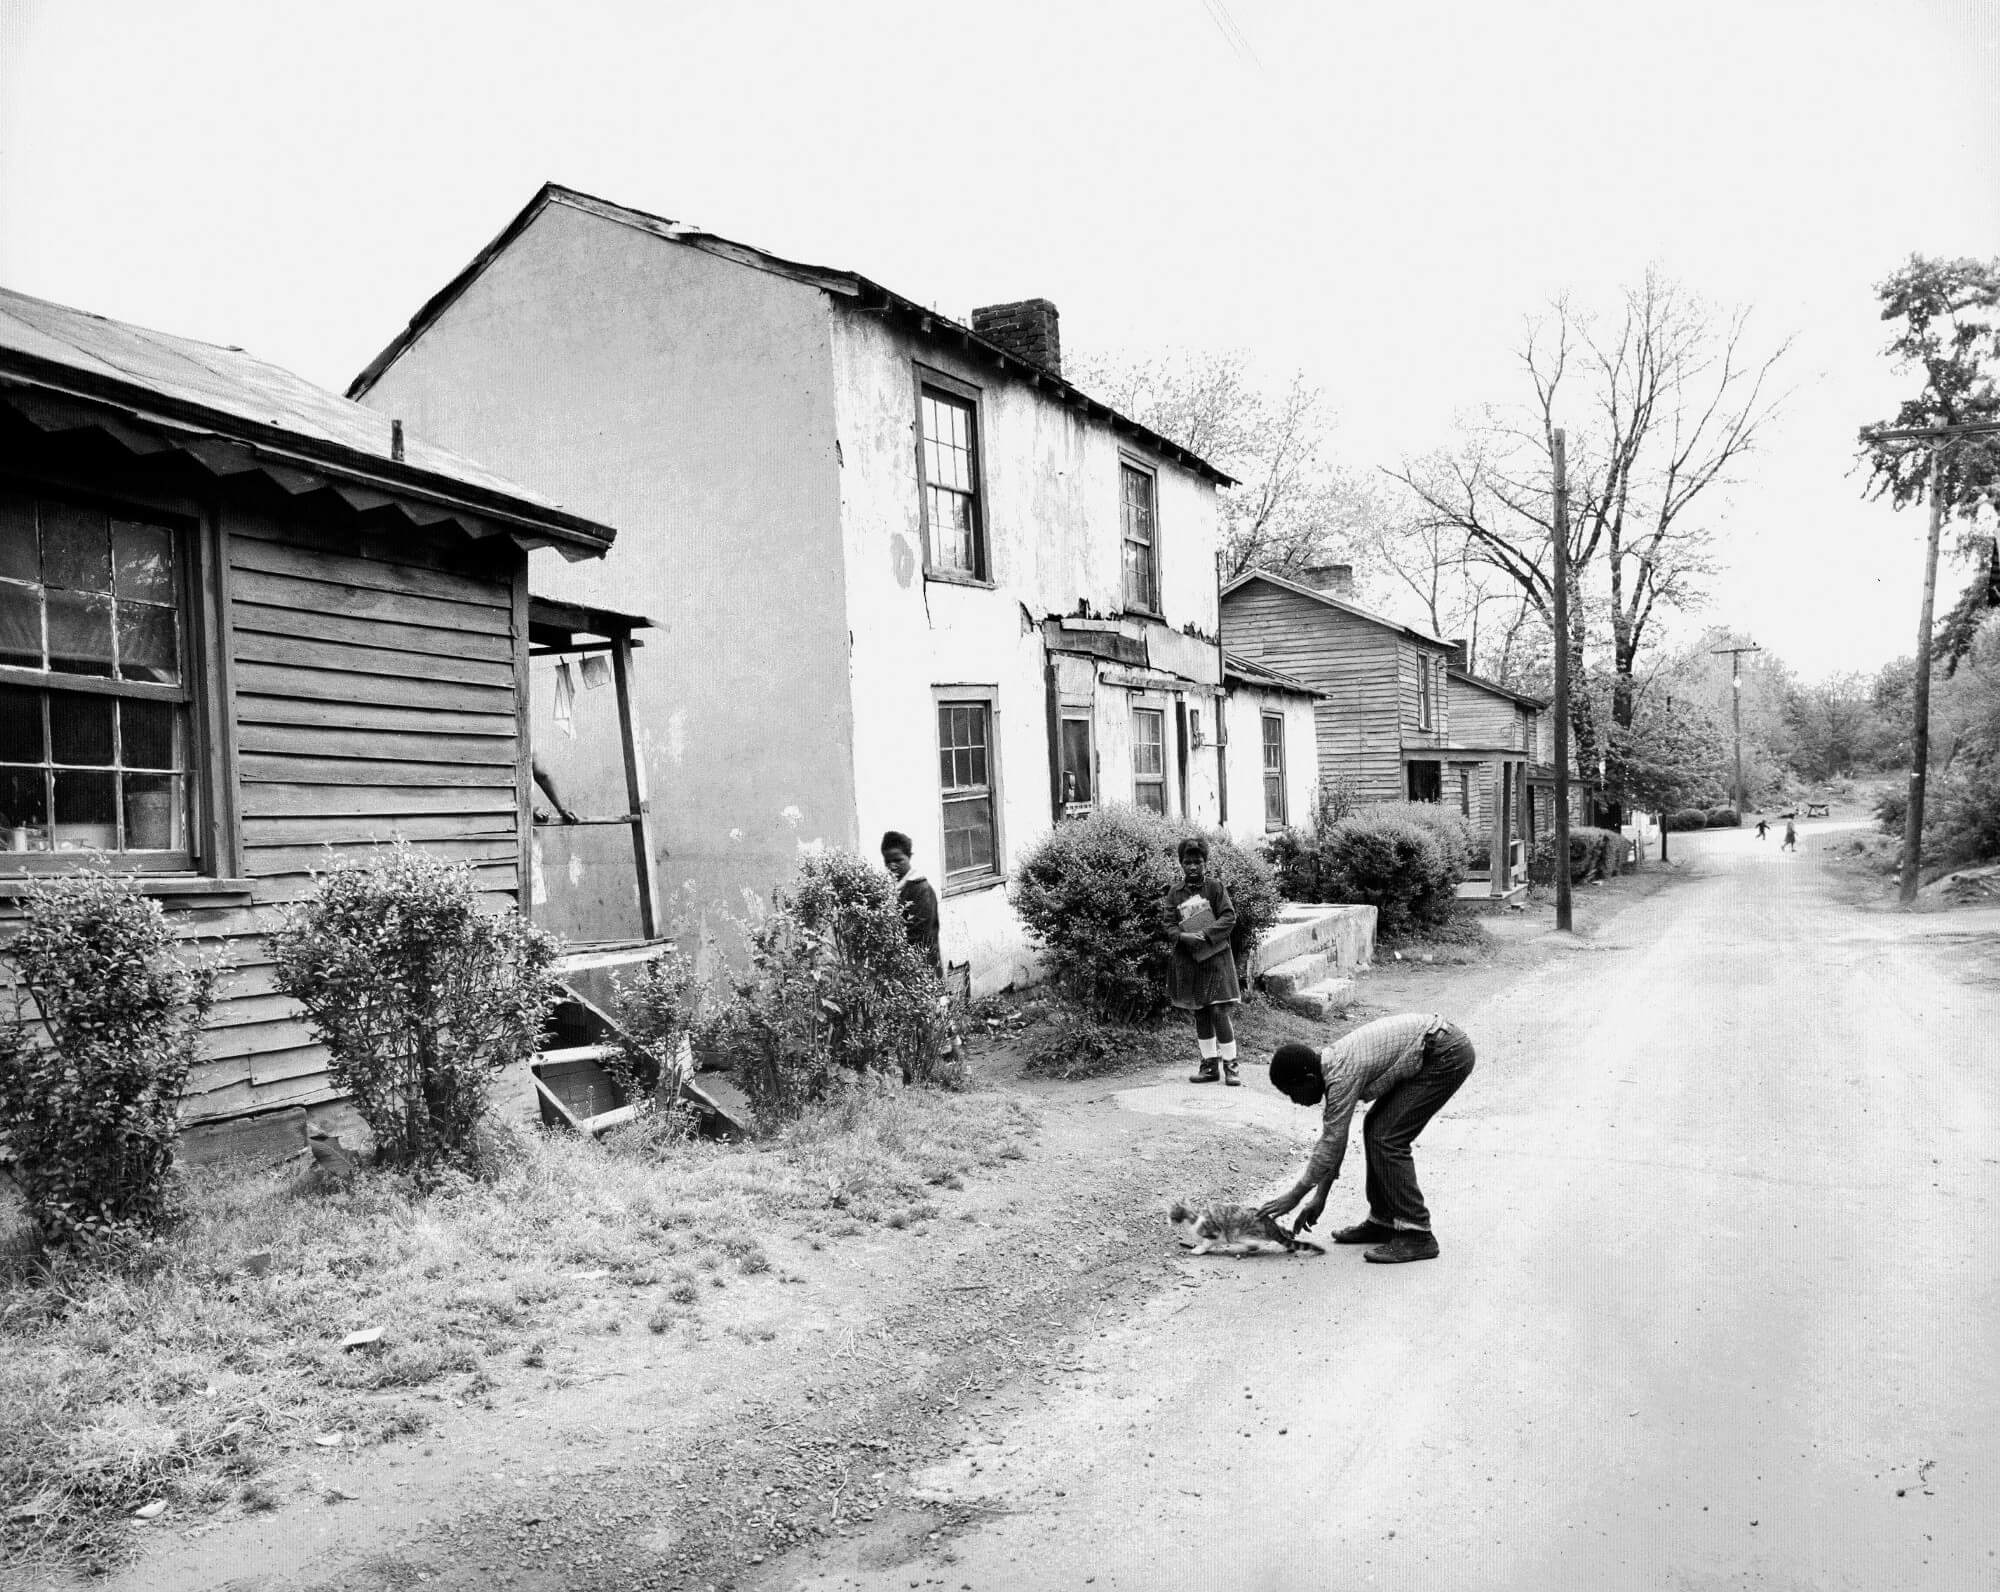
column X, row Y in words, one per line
column 186, row 1375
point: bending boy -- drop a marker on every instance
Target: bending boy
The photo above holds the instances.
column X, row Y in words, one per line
column 1409, row 1065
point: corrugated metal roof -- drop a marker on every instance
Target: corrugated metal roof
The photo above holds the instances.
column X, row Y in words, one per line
column 846, row 284
column 1341, row 603
column 1251, row 672
column 249, row 398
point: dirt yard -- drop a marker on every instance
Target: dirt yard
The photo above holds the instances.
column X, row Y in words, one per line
column 685, row 1426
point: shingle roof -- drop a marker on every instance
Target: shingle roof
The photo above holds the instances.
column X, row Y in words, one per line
column 1484, row 684
column 225, row 392
column 839, row 283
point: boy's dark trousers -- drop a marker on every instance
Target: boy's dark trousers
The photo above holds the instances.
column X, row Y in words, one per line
column 1394, row 1121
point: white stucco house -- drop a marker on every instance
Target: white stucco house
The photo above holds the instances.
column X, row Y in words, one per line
column 902, row 574
column 1273, row 764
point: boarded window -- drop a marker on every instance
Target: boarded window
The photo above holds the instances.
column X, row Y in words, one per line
column 965, row 776
column 1142, row 565
column 95, row 709
column 1149, row 758
column 1274, row 771
column 951, row 481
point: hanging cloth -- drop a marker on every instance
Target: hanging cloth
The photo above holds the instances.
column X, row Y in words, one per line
column 565, row 700
column 596, row 671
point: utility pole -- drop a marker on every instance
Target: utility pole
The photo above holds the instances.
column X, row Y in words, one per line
column 1920, row 688
column 1561, row 594
column 1736, row 710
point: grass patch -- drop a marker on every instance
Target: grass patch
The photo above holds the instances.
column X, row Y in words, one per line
column 1461, row 937
column 1072, row 1044
column 184, row 1376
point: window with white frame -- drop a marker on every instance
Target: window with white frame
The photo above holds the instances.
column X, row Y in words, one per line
column 1076, row 772
column 948, row 427
column 1149, row 758
column 1140, row 521
column 1274, row 771
column 96, row 704
column 966, row 784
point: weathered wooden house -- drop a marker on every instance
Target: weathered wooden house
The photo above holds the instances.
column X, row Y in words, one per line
column 906, row 575
column 1382, row 723
column 242, row 621
column 1272, row 762
column 1492, row 751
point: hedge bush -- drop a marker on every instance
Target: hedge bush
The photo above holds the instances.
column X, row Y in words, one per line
column 1093, row 892
column 1593, row 854
column 1462, row 848
column 834, row 992
column 1368, row 858
column 1686, row 819
column 90, row 1097
column 1724, row 818
column 419, row 997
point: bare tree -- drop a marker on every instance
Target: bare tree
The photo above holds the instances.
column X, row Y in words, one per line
column 1292, row 508
column 1661, row 401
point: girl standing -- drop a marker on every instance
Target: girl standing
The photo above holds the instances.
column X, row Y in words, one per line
column 1201, row 976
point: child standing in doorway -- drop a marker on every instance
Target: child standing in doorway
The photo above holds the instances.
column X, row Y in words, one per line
column 1201, row 975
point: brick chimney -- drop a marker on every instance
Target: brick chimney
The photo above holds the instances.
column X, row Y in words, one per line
column 1026, row 330
column 1336, row 580
column 1457, row 658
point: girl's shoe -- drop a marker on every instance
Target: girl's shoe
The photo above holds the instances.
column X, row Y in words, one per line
column 1208, row 1073
column 1229, row 1075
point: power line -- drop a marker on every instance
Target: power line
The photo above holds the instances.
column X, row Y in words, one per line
column 1232, row 35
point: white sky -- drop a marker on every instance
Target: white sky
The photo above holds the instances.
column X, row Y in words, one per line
column 1377, row 192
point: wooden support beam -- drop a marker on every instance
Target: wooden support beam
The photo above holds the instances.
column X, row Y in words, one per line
column 643, row 856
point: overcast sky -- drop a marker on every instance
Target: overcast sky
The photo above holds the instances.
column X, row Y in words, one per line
column 1377, row 192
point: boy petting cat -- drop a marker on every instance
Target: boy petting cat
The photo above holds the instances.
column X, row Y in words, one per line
column 1201, row 975
column 1409, row 1065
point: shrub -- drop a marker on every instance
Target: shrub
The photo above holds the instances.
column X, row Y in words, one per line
column 1686, row 819
column 1391, row 864
column 89, row 1113
column 1891, row 808
column 660, row 1009
column 1093, row 891
column 419, row 997
column 834, row 991
column 1460, row 847
column 1593, row 854
column 1962, row 820
column 1723, row 818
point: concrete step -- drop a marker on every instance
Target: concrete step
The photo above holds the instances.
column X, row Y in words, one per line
column 1347, row 932
column 1297, row 973
column 1321, row 1000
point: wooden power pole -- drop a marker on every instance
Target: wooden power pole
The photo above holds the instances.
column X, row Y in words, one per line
column 1735, row 712
column 1561, row 594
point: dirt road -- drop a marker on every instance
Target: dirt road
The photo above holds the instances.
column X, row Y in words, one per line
column 1719, row 1304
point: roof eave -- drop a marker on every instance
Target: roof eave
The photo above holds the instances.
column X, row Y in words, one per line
column 313, row 454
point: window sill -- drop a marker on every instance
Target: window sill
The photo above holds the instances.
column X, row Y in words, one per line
column 988, row 881
column 958, row 577
column 171, row 890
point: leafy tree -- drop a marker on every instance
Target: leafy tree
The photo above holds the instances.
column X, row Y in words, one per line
column 1672, row 754
column 1292, row 508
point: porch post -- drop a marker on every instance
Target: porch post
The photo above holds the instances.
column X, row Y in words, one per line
column 643, row 861
column 1497, row 846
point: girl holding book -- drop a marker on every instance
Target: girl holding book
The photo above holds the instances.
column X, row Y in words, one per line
column 1201, row 975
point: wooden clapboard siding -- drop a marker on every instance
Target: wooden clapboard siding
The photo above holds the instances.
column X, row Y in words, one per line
column 375, row 701
column 1480, row 717
column 1351, row 658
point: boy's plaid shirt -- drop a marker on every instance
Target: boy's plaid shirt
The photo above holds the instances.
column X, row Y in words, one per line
column 1360, row 1066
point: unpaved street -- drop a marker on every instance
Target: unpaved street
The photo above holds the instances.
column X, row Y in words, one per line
column 1719, row 1304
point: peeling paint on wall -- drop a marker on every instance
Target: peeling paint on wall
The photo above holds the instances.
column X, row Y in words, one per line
column 902, row 560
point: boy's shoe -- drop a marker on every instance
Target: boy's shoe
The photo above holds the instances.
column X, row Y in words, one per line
column 1404, row 1246
column 1208, row 1073
column 1368, row 1232
column 1229, row 1075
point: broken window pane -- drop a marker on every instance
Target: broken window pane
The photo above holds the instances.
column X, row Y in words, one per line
column 80, row 728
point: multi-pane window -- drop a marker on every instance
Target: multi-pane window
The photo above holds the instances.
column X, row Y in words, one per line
column 1149, row 758
column 951, row 481
column 965, row 776
column 1274, row 771
column 1077, row 762
column 1141, row 534
column 94, row 698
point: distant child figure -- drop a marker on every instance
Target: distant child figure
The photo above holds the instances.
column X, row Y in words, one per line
column 1201, row 977
column 1763, row 828
column 920, row 902
column 1791, row 837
